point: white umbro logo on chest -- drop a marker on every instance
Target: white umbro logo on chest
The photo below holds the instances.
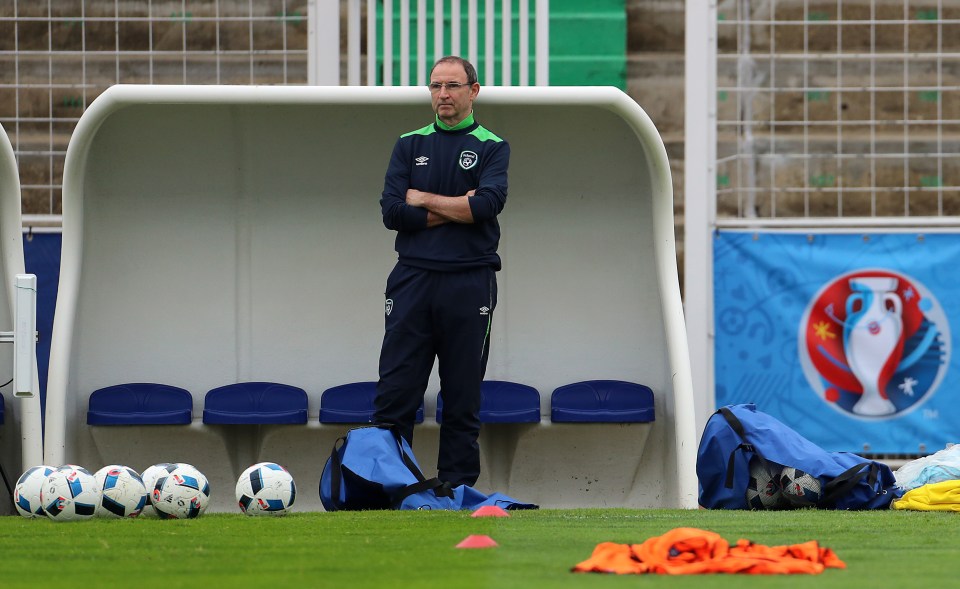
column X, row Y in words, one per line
column 422, row 160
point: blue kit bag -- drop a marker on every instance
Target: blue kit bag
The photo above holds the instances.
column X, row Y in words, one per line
column 750, row 460
column 374, row 468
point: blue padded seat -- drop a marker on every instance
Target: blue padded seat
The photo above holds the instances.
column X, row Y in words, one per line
column 140, row 403
column 504, row 402
column 352, row 403
column 602, row 401
column 256, row 403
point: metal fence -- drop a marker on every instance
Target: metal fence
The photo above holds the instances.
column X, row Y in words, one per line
column 57, row 56
column 838, row 108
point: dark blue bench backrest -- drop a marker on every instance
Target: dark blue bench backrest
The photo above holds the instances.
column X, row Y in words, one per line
column 504, row 402
column 256, row 403
column 352, row 403
column 140, row 403
column 602, row 401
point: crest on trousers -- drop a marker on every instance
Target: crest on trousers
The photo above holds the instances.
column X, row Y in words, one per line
column 468, row 159
column 388, row 306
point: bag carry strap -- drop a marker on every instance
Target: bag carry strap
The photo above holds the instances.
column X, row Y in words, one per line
column 335, row 471
column 738, row 429
column 335, row 467
column 844, row 482
column 440, row 488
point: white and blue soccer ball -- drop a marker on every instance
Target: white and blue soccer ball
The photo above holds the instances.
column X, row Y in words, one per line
column 183, row 493
column 764, row 490
column 122, row 491
column 150, row 476
column 26, row 493
column 70, row 493
column 266, row 488
column 800, row 489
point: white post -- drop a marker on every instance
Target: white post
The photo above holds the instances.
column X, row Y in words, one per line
column 421, row 42
column 489, row 59
column 455, row 48
column 404, row 42
column 543, row 42
column 372, row 42
column 473, row 42
column 24, row 338
column 438, row 29
column 323, row 43
column 700, row 155
column 506, row 44
column 25, row 378
column 353, row 43
column 388, row 43
column 524, row 49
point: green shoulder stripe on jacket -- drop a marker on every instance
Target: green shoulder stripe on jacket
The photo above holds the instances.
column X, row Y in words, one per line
column 428, row 130
column 484, row 135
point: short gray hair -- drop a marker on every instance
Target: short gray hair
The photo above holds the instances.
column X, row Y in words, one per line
column 467, row 67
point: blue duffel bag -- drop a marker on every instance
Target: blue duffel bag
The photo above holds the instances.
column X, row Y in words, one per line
column 374, row 468
column 748, row 459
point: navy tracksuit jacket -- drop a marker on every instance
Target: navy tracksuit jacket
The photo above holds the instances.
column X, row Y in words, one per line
column 441, row 295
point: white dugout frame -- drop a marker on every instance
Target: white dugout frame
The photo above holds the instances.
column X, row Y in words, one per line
column 198, row 299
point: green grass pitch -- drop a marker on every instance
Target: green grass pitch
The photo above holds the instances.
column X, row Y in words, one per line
column 387, row 549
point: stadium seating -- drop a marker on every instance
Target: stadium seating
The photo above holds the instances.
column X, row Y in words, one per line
column 142, row 423
column 503, row 402
column 255, row 403
column 140, row 404
column 602, row 401
column 352, row 403
column 246, row 413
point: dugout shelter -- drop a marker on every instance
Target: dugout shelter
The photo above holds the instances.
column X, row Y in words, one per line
column 21, row 444
column 215, row 235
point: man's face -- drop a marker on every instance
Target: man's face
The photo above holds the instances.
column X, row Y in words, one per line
column 452, row 106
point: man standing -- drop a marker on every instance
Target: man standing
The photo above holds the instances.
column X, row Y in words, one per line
column 444, row 187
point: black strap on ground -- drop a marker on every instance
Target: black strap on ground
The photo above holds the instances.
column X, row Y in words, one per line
column 425, row 485
column 335, row 470
column 744, row 446
column 6, row 483
column 844, row 482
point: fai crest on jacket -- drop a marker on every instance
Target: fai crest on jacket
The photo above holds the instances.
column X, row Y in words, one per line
column 468, row 159
column 874, row 343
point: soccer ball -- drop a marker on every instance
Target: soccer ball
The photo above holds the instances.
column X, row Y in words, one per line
column 152, row 473
column 800, row 488
column 150, row 476
column 69, row 467
column 763, row 490
column 122, row 491
column 26, row 494
column 70, row 493
column 183, row 493
column 266, row 488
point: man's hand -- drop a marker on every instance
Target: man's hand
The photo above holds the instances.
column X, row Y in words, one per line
column 417, row 198
column 442, row 209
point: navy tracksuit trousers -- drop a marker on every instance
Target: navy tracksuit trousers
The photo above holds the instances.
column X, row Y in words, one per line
column 447, row 316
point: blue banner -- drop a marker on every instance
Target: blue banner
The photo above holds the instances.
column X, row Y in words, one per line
column 844, row 337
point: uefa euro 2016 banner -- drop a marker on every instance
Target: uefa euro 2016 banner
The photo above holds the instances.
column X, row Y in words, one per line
column 845, row 337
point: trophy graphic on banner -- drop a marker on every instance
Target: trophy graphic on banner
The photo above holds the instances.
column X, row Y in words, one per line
column 871, row 340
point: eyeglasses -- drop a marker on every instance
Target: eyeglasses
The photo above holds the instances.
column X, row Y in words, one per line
column 450, row 86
